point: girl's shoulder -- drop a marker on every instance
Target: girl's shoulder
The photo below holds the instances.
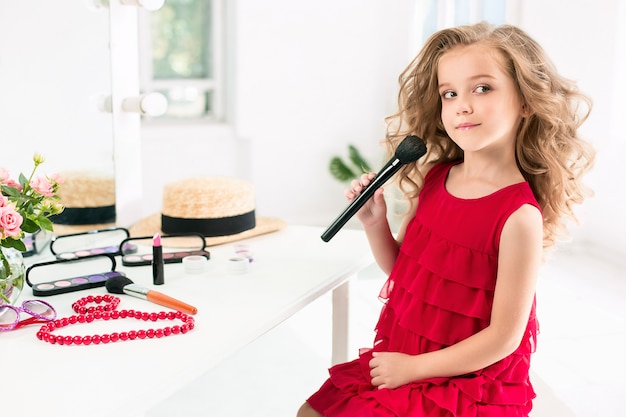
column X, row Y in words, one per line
column 436, row 168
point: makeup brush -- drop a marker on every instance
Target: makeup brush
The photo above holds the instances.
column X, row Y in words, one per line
column 124, row 285
column 409, row 150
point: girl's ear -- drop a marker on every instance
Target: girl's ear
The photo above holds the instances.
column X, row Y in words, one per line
column 525, row 110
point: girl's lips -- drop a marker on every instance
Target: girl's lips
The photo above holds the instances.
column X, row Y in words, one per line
column 467, row 126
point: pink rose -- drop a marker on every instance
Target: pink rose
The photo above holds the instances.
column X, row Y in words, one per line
column 14, row 184
column 3, row 201
column 43, row 186
column 10, row 222
column 56, row 178
column 4, row 175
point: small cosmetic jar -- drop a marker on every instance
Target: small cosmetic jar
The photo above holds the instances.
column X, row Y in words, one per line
column 238, row 265
column 194, row 264
column 242, row 251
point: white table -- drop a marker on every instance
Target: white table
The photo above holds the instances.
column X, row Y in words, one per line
column 291, row 268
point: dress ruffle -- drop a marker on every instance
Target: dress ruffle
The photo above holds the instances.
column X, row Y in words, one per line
column 440, row 292
column 477, row 396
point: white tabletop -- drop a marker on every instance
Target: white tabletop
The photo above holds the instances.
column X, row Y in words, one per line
column 291, row 268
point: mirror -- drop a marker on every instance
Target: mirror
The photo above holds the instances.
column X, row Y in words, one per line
column 54, row 70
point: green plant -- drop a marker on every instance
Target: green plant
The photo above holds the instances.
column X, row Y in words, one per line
column 343, row 172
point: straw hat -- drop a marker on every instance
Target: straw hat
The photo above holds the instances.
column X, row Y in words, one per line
column 89, row 201
column 220, row 208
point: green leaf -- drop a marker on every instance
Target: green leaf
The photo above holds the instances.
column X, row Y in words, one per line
column 340, row 170
column 358, row 160
column 45, row 223
column 10, row 191
column 29, row 226
column 14, row 243
column 23, row 180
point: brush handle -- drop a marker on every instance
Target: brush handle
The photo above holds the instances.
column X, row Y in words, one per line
column 383, row 176
column 167, row 301
column 409, row 150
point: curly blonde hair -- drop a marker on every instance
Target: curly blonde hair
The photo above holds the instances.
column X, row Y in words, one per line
column 549, row 152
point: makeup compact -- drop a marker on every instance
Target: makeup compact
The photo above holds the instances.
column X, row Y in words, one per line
column 35, row 242
column 92, row 242
column 89, row 271
column 174, row 249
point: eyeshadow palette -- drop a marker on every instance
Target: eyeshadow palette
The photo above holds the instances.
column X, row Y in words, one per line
column 137, row 251
column 73, row 284
column 71, row 274
column 35, row 242
column 92, row 242
column 86, row 252
column 168, row 257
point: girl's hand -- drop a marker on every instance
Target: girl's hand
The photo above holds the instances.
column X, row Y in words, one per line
column 375, row 209
column 392, row 369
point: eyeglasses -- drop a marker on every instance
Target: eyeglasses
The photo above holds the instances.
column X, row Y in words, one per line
column 39, row 310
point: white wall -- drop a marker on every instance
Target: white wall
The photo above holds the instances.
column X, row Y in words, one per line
column 54, row 60
column 315, row 76
column 587, row 42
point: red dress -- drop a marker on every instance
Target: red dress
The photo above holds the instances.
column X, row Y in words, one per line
column 440, row 292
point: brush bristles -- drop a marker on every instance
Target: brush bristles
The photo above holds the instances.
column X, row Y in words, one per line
column 410, row 149
column 116, row 285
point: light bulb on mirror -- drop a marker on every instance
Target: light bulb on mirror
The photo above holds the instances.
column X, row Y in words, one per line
column 101, row 102
column 150, row 104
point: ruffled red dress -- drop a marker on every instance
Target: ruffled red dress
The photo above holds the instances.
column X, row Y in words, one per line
column 440, row 292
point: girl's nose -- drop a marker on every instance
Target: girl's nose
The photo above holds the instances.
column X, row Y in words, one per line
column 463, row 106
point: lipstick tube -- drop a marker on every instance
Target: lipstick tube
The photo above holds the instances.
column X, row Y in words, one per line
column 158, row 273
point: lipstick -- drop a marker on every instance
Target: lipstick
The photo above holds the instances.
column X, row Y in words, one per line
column 158, row 274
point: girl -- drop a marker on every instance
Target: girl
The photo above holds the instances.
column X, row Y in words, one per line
column 502, row 173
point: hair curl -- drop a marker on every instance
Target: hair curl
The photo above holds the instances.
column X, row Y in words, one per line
column 549, row 152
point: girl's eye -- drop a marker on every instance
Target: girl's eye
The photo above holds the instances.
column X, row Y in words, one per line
column 482, row 89
column 448, row 94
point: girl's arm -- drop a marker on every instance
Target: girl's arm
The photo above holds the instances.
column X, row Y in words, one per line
column 384, row 246
column 373, row 217
column 519, row 259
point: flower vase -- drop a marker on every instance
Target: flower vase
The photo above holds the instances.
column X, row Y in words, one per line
column 12, row 281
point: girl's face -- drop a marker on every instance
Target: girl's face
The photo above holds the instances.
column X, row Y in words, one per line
column 480, row 106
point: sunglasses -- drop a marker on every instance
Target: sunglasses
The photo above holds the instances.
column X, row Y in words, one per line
column 39, row 310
